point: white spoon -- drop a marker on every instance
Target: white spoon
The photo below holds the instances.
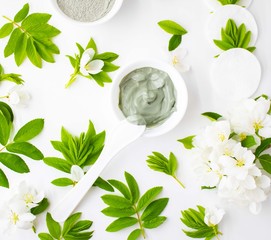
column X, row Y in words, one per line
column 124, row 134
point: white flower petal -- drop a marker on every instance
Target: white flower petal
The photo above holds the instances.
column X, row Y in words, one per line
column 77, row 173
column 263, row 182
column 94, row 67
column 255, row 208
column 182, row 67
column 250, row 183
column 39, row 197
column 87, row 56
column 213, row 216
column 27, row 217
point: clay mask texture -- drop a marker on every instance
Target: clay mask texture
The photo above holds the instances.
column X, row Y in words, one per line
column 85, row 10
column 147, row 93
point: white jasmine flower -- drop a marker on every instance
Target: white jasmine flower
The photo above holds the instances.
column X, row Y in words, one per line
column 213, row 216
column 76, row 173
column 88, row 65
column 177, row 59
column 18, row 96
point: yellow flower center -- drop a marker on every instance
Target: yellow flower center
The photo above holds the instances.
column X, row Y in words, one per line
column 175, row 60
column 257, row 125
column 227, row 152
column 14, row 218
column 221, row 137
column 240, row 162
column 242, row 136
column 28, row 198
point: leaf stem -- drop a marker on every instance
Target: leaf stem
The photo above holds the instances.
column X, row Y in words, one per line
column 140, row 223
column 182, row 185
column 1, row 149
column 16, row 24
column 72, row 79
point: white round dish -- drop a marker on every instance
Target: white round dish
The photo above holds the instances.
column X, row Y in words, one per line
column 116, row 7
column 235, row 74
column 180, row 88
column 219, row 18
column 215, row 4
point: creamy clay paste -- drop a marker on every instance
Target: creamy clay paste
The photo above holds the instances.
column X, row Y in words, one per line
column 85, row 10
column 147, row 94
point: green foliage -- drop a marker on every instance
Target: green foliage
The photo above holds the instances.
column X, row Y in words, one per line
column 131, row 208
column 212, row 116
column 234, row 37
column 43, row 205
column 158, row 162
column 262, row 157
column 82, row 150
column 194, row 219
column 30, row 36
column 187, row 142
column 12, row 77
column 100, row 78
column 11, row 149
column 176, row 30
column 226, row 2
column 72, row 229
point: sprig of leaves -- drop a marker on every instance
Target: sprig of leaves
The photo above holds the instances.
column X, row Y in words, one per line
column 234, row 37
column 194, row 220
column 158, row 162
column 176, row 30
column 12, row 77
column 30, row 36
column 72, row 229
column 100, row 78
column 82, row 151
column 226, row 2
column 131, row 209
column 10, row 150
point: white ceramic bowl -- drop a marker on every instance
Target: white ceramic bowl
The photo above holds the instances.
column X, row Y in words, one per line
column 116, row 7
column 180, row 91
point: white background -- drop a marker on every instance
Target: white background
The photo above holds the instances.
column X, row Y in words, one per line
column 132, row 32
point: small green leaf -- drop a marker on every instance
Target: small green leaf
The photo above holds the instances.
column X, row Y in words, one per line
column 154, row 209
column 146, row 199
column 116, row 201
column 101, row 183
column 134, row 235
column 81, row 226
column 92, row 44
column 45, row 236
column 174, row 42
column 133, row 186
column 43, row 205
column 212, row 116
column 249, row 142
column 265, row 144
column 187, row 142
column 121, row 223
column 14, row 162
column 172, row 164
column 6, row 30
column 101, row 78
column 109, row 67
column 58, row 163
column 70, row 222
column 116, row 212
column 265, row 161
column 35, row 19
column 172, row 27
column 223, row 45
column 63, row 182
column 107, row 56
column 5, row 128
column 3, row 179
column 123, row 189
column 154, row 223
column 12, row 42
column 26, row 149
column 32, row 53
column 21, row 15
column 20, row 49
column 6, row 111
column 29, row 130
column 53, row 226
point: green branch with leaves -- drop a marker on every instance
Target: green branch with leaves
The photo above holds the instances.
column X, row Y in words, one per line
column 90, row 64
column 30, row 36
column 158, row 162
column 11, row 77
column 10, row 150
column 131, row 209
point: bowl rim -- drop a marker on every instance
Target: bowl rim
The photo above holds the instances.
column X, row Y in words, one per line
column 180, row 90
column 114, row 10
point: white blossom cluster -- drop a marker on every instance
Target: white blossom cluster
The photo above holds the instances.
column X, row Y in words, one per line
column 225, row 162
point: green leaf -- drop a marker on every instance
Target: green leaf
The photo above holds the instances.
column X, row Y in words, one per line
column 134, row 235
column 12, row 42
column 154, row 209
column 101, row 183
column 265, row 161
column 58, row 163
column 32, row 53
column 187, row 142
column 116, row 212
column 45, row 236
column 44, row 51
column 174, row 42
column 3, row 179
column 212, row 116
column 63, row 182
column 6, row 111
column 79, row 236
column 26, row 149
column 6, row 30
column 101, row 78
column 5, row 128
column 20, row 49
column 172, row 164
column 116, row 201
column 53, row 226
column 81, row 226
column 249, row 142
column 14, row 162
column 92, row 44
column 21, row 15
column 72, row 61
column 265, row 144
column 107, row 56
column 35, row 19
column 133, row 186
column 43, row 205
column 29, row 130
column 109, row 67
column 146, row 199
column 123, row 189
column 70, row 222
column 121, row 223
column 154, row 223
column 223, row 45
column 172, row 27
